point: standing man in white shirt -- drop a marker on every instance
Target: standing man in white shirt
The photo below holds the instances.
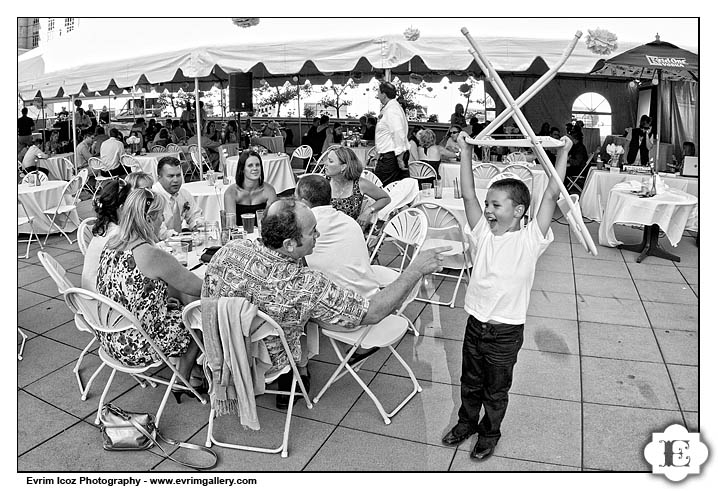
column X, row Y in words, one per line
column 180, row 206
column 391, row 137
column 110, row 152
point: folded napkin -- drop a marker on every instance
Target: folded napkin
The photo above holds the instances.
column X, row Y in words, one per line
column 628, row 186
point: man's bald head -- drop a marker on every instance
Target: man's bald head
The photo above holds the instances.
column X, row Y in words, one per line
column 281, row 222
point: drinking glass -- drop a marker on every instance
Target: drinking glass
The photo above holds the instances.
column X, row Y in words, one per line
column 248, row 222
column 180, row 250
column 231, row 220
column 426, row 190
column 260, row 215
column 212, row 234
column 437, row 191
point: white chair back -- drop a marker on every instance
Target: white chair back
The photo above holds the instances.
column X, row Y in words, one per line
column 67, row 169
column 157, row 149
column 34, row 176
column 421, row 170
column 401, row 193
column 84, row 234
column 516, row 157
column 129, row 163
column 408, row 227
column 302, row 152
column 173, row 147
column 56, row 272
column 371, row 177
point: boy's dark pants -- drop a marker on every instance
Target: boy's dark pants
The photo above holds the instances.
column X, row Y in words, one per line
column 488, row 357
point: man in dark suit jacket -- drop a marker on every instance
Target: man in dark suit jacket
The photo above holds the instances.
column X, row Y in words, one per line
column 640, row 141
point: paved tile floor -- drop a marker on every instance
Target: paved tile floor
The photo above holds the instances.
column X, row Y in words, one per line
column 610, row 355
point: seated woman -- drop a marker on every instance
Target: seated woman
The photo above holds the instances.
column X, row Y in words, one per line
column 139, row 180
column 230, row 133
column 107, row 205
column 161, row 138
column 249, row 192
column 451, row 150
column 429, row 151
column 414, row 143
column 348, row 187
column 211, row 131
column 147, row 281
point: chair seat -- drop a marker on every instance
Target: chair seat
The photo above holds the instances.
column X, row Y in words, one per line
column 456, row 246
column 385, row 333
column 384, row 275
column 61, row 209
column 111, row 362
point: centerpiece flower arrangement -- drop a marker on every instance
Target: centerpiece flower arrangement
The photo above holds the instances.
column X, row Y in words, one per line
column 133, row 141
column 615, row 151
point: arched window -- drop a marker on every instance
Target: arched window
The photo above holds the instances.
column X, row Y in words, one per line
column 595, row 112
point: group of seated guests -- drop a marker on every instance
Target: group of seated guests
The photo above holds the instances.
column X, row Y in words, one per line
column 133, row 214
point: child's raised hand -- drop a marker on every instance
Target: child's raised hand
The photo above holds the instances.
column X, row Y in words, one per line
column 463, row 144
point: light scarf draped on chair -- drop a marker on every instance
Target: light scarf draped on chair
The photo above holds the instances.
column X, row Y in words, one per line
column 236, row 365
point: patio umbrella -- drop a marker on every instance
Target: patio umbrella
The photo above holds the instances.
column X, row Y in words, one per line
column 657, row 60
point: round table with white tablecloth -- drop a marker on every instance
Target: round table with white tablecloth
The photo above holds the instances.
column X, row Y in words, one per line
column 56, row 167
column 210, row 199
column 39, row 198
column 148, row 162
column 274, row 144
column 361, row 153
column 277, row 170
column 599, row 183
column 451, row 170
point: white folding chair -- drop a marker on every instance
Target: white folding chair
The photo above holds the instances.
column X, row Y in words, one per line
column 385, row 334
column 97, row 167
column 371, row 159
column 22, row 344
column 444, row 229
column 197, row 162
column 371, row 177
column 62, row 209
column 407, row 229
column 129, row 163
column 173, row 147
column 59, row 276
column 301, row 154
column 157, row 149
column 573, row 181
column 27, row 219
column 34, row 176
column 401, row 193
column 100, row 314
column 84, row 233
column 421, row 170
column 516, row 157
column 319, row 164
column 262, row 327
column 483, row 173
column 524, row 174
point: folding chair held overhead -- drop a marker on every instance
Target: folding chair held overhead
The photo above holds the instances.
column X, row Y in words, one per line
column 530, row 140
column 262, row 327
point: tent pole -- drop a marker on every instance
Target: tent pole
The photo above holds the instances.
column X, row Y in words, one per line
column 198, row 116
column 387, row 74
column 73, row 129
column 659, row 104
column 299, row 112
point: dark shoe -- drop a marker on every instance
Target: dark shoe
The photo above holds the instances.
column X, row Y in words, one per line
column 357, row 357
column 458, row 434
column 482, row 451
column 284, row 383
column 178, row 393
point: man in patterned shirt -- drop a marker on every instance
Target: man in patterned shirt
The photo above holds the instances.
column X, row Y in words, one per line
column 271, row 275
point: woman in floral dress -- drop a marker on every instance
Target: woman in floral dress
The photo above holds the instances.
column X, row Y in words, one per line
column 151, row 284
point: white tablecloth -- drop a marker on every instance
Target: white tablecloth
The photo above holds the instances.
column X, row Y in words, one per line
column 208, row 198
column 600, row 182
column 277, row 170
column 361, row 153
column 39, row 198
column 451, row 170
column 148, row 162
column 274, row 144
column 55, row 165
column 670, row 210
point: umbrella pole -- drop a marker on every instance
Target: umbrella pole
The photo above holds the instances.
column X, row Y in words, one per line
column 198, row 116
column 73, row 128
column 659, row 105
column 299, row 113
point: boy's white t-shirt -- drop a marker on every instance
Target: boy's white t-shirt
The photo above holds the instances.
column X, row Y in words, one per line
column 503, row 274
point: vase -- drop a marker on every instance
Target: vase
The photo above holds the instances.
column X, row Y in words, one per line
column 614, row 160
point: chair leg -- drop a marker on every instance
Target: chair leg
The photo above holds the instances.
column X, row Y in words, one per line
column 164, row 399
column 22, row 344
column 84, row 392
column 210, row 425
column 104, row 394
column 343, row 359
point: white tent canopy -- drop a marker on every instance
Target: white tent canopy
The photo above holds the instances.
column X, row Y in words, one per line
column 98, row 58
